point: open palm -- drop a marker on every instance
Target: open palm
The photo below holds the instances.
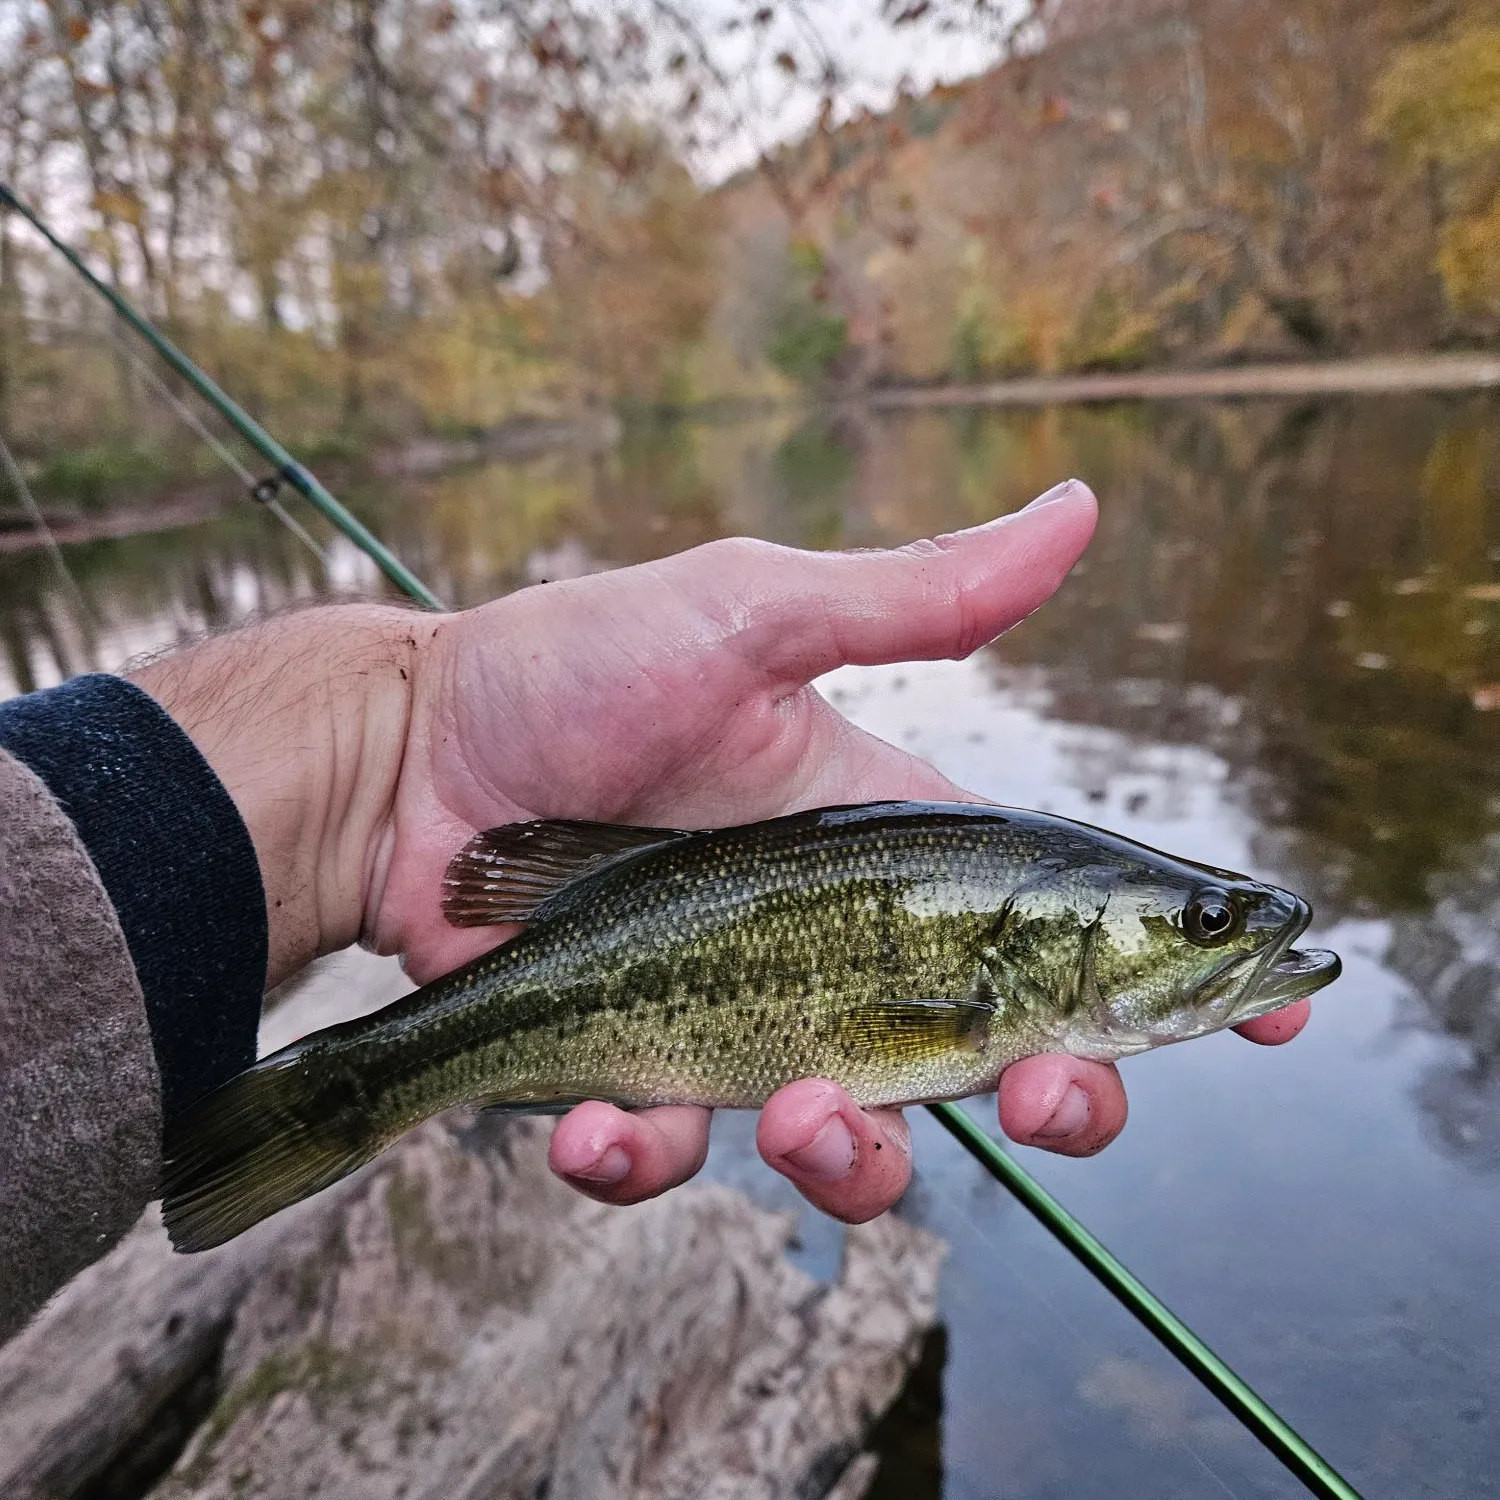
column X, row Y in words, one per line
column 677, row 693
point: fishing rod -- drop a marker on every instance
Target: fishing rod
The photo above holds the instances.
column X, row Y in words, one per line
column 285, row 469
column 1256, row 1414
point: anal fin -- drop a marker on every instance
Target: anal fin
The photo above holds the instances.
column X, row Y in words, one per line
column 505, row 874
column 549, row 1104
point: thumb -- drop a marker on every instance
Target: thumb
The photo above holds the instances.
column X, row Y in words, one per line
column 802, row 614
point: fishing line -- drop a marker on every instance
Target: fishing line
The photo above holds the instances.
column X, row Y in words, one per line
column 39, row 521
column 1257, row 1416
column 945, row 1192
column 286, row 469
column 256, row 488
column 262, row 491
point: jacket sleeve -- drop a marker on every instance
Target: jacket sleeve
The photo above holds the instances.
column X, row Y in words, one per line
column 80, row 1097
column 133, row 941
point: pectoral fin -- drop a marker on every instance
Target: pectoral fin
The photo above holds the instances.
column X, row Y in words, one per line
column 911, row 1030
column 505, row 874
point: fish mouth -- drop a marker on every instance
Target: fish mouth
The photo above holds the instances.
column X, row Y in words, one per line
column 1285, row 973
column 1278, row 974
column 1299, row 972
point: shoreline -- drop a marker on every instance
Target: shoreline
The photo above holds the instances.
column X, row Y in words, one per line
column 1397, row 374
column 517, row 442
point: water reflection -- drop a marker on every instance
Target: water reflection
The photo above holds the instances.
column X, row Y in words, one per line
column 1309, row 591
column 1282, row 653
column 1450, row 956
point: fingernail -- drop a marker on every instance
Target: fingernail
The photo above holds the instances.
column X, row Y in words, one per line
column 1070, row 1116
column 613, row 1166
column 829, row 1155
column 1048, row 496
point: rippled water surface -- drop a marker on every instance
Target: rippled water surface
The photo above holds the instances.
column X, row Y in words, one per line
column 1282, row 654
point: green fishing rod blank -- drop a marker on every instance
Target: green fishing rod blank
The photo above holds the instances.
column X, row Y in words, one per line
column 287, row 469
column 1320, row 1477
column 1275, row 1434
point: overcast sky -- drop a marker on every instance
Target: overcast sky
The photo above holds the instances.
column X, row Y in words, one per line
column 871, row 53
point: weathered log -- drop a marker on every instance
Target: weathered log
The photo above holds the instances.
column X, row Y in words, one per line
column 100, row 1384
column 467, row 1327
column 98, row 1389
column 453, row 1322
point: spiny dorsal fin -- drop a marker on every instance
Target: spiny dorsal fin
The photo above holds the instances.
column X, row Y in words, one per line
column 911, row 1030
column 504, row 874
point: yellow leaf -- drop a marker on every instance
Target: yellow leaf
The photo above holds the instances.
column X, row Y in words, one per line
column 124, row 206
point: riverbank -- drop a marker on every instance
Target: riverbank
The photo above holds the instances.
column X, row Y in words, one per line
column 93, row 516
column 526, row 438
column 1383, row 375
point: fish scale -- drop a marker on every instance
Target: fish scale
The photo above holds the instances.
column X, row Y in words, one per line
column 908, row 951
column 771, row 967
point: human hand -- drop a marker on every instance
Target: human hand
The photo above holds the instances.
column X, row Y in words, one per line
column 364, row 744
column 677, row 693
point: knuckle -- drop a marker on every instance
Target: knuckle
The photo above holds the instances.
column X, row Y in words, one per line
column 741, row 551
column 922, row 550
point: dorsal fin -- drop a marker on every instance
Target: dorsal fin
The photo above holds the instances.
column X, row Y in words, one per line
column 505, row 874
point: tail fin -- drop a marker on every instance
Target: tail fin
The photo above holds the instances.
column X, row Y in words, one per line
column 273, row 1135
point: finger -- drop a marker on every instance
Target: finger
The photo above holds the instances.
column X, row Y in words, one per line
column 804, row 613
column 625, row 1158
column 1278, row 1027
column 1063, row 1104
column 850, row 1162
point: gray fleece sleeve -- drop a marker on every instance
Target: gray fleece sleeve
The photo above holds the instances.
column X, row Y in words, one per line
column 80, row 1098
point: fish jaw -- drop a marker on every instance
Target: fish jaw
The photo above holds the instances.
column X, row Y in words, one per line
column 1297, row 973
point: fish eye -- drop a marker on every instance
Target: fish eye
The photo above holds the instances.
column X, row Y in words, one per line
column 1210, row 918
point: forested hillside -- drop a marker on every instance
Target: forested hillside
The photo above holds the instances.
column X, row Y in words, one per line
column 1167, row 181
column 373, row 219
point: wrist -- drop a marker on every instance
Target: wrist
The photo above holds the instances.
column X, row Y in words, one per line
column 304, row 720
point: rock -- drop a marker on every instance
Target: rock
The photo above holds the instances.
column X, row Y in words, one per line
column 455, row 1323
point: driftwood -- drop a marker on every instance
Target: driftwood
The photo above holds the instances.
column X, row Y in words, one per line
column 454, row 1323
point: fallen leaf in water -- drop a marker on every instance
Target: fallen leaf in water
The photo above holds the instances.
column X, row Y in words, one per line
column 1486, row 593
column 1372, row 661
column 1161, row 633
column 1485, row 697
column 1158, row 1407
column 1411, row 585
column 1339, row 609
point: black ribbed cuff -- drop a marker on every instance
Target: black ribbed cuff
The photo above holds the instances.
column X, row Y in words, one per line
column 174, row 855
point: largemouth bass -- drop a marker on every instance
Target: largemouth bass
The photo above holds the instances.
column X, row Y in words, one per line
column 910, row 951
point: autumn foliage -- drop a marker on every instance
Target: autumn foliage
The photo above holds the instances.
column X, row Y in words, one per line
column 376, row 217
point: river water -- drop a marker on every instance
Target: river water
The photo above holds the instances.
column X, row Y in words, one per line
column 1282, row 654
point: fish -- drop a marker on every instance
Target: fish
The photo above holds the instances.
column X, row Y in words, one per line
column 909, row 951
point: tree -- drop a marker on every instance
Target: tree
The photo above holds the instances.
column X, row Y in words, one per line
column 1438, row 103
